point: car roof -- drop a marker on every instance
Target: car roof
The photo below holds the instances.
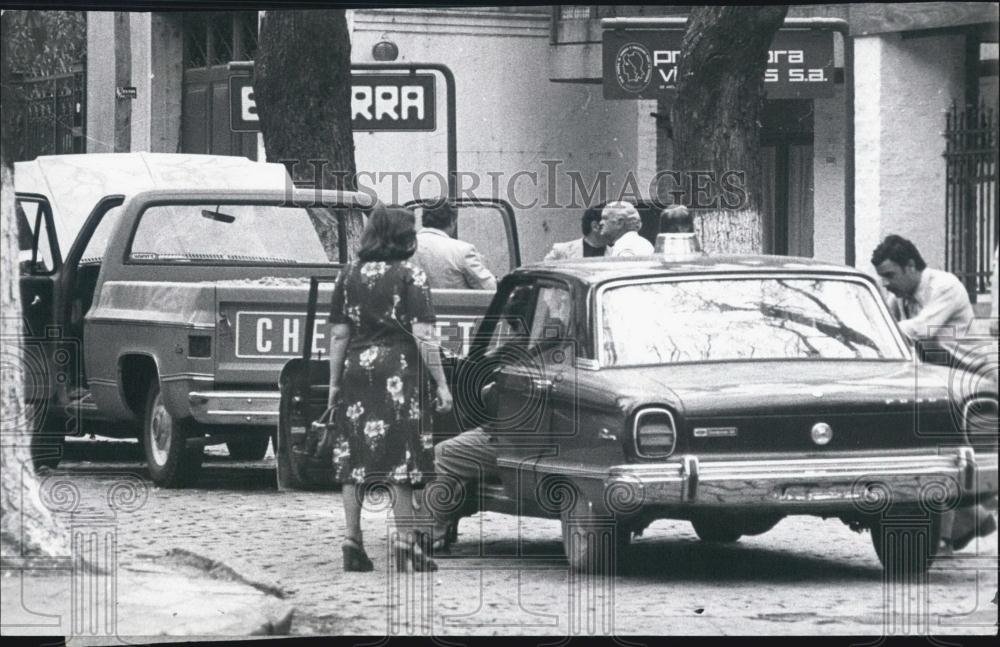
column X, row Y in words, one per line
column 599, row 270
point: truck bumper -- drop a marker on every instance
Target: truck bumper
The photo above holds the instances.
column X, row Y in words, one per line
column 257, row 408
column 859, row 483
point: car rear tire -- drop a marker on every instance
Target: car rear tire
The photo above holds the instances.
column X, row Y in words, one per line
column 906, row 546
column 47, row 446
column 593, row 543
column 719, row 530
column 171, row 463
column 252, row 447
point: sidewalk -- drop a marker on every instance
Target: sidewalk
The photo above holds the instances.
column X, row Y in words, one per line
column 176, row 593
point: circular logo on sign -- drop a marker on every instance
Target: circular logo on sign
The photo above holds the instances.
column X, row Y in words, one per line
column 633, row 67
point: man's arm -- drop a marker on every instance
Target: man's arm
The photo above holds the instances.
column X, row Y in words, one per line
column 477, row 276
column 943, row 305
column 557, row 252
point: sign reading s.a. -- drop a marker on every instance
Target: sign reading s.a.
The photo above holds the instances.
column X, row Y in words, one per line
column 378, row 102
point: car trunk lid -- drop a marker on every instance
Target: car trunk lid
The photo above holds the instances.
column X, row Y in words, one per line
column 773, row 406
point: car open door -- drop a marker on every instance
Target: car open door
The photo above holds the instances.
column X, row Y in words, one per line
column 39, row 263
column 304, row 381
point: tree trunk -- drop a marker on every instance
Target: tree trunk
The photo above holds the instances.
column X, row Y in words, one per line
column 26, row 525
column 715, row 120
column 302, row 86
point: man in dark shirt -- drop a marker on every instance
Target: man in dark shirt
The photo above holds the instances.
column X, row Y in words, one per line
column 592, row 244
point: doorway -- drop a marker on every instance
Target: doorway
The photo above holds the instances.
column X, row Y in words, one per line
column 787, row 171
column 212, row 39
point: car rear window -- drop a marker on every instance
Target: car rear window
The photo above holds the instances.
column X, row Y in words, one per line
column 721, row 319
column 233, row 234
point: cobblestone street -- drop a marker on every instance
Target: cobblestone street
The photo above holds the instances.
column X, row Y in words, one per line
column 806, row 576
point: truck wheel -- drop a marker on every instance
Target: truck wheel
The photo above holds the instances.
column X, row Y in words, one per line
column 47, row 448
column 906, row 548
column 169, row 461
column 720, row 530
column 47, row 443
column 593, row 543
column 252, row 447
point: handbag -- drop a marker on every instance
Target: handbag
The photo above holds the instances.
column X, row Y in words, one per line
column 320, row 438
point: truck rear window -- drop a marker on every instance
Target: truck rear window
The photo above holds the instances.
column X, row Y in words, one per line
column 233, row 234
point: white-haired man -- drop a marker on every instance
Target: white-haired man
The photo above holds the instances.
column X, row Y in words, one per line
column 620, row 224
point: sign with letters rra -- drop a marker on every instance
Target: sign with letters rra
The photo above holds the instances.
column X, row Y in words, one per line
column 642, row 64
column 378, row 102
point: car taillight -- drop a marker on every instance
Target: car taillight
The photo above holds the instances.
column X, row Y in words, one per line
column 655, row 433
column 980, row 422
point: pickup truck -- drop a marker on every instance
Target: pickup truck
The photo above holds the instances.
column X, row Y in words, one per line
column 163, row 293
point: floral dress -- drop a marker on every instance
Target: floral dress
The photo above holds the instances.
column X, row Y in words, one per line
column 382, row 416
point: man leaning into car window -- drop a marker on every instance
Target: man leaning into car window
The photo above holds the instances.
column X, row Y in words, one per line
column 464, row 462
column 931, row 306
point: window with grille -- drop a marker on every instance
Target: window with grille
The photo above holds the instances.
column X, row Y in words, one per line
column 217, row 37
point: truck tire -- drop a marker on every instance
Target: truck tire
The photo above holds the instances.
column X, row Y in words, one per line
column 47, row 448
column 170, row 462
column 716, row 530
column 906, row 548
column 252, row 447
column 48, row 442
column 593, row 543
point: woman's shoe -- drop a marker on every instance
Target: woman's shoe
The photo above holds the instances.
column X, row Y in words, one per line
column 422, row 550
column 355, row 557
column 444, row 535
column 410, row 557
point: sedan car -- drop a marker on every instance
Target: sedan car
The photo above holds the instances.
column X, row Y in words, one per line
column 730, row 391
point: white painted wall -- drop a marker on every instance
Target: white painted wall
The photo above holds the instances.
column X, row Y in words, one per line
column 140, row 35
column 100, row 82
column 511, row 118
column 903, row 90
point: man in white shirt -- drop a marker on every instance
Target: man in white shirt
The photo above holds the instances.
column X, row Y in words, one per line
column 620, row 224
column 932, row 306
column 449, row 262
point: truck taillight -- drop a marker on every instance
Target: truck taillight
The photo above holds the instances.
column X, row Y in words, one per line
column 655, row 433
column 199, row 346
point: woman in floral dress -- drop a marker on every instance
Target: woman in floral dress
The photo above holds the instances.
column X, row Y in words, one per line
column 381, row 350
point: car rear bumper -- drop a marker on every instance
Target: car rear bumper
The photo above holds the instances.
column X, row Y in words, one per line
column 864, row 483
column 256, row 408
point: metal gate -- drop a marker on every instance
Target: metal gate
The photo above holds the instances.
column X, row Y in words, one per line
column 55, row 114
column 971, row 204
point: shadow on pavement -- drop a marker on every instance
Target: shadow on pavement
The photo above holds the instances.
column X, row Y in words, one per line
column 680, row 560
column 697, row 561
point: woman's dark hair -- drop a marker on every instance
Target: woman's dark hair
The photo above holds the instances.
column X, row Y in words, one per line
column 389, row 236
column 898, row 250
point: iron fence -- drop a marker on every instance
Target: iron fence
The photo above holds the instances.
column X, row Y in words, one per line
column 971, row 202
column 55, row 114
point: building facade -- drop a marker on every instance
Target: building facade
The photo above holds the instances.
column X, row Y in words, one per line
column 534, row 128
